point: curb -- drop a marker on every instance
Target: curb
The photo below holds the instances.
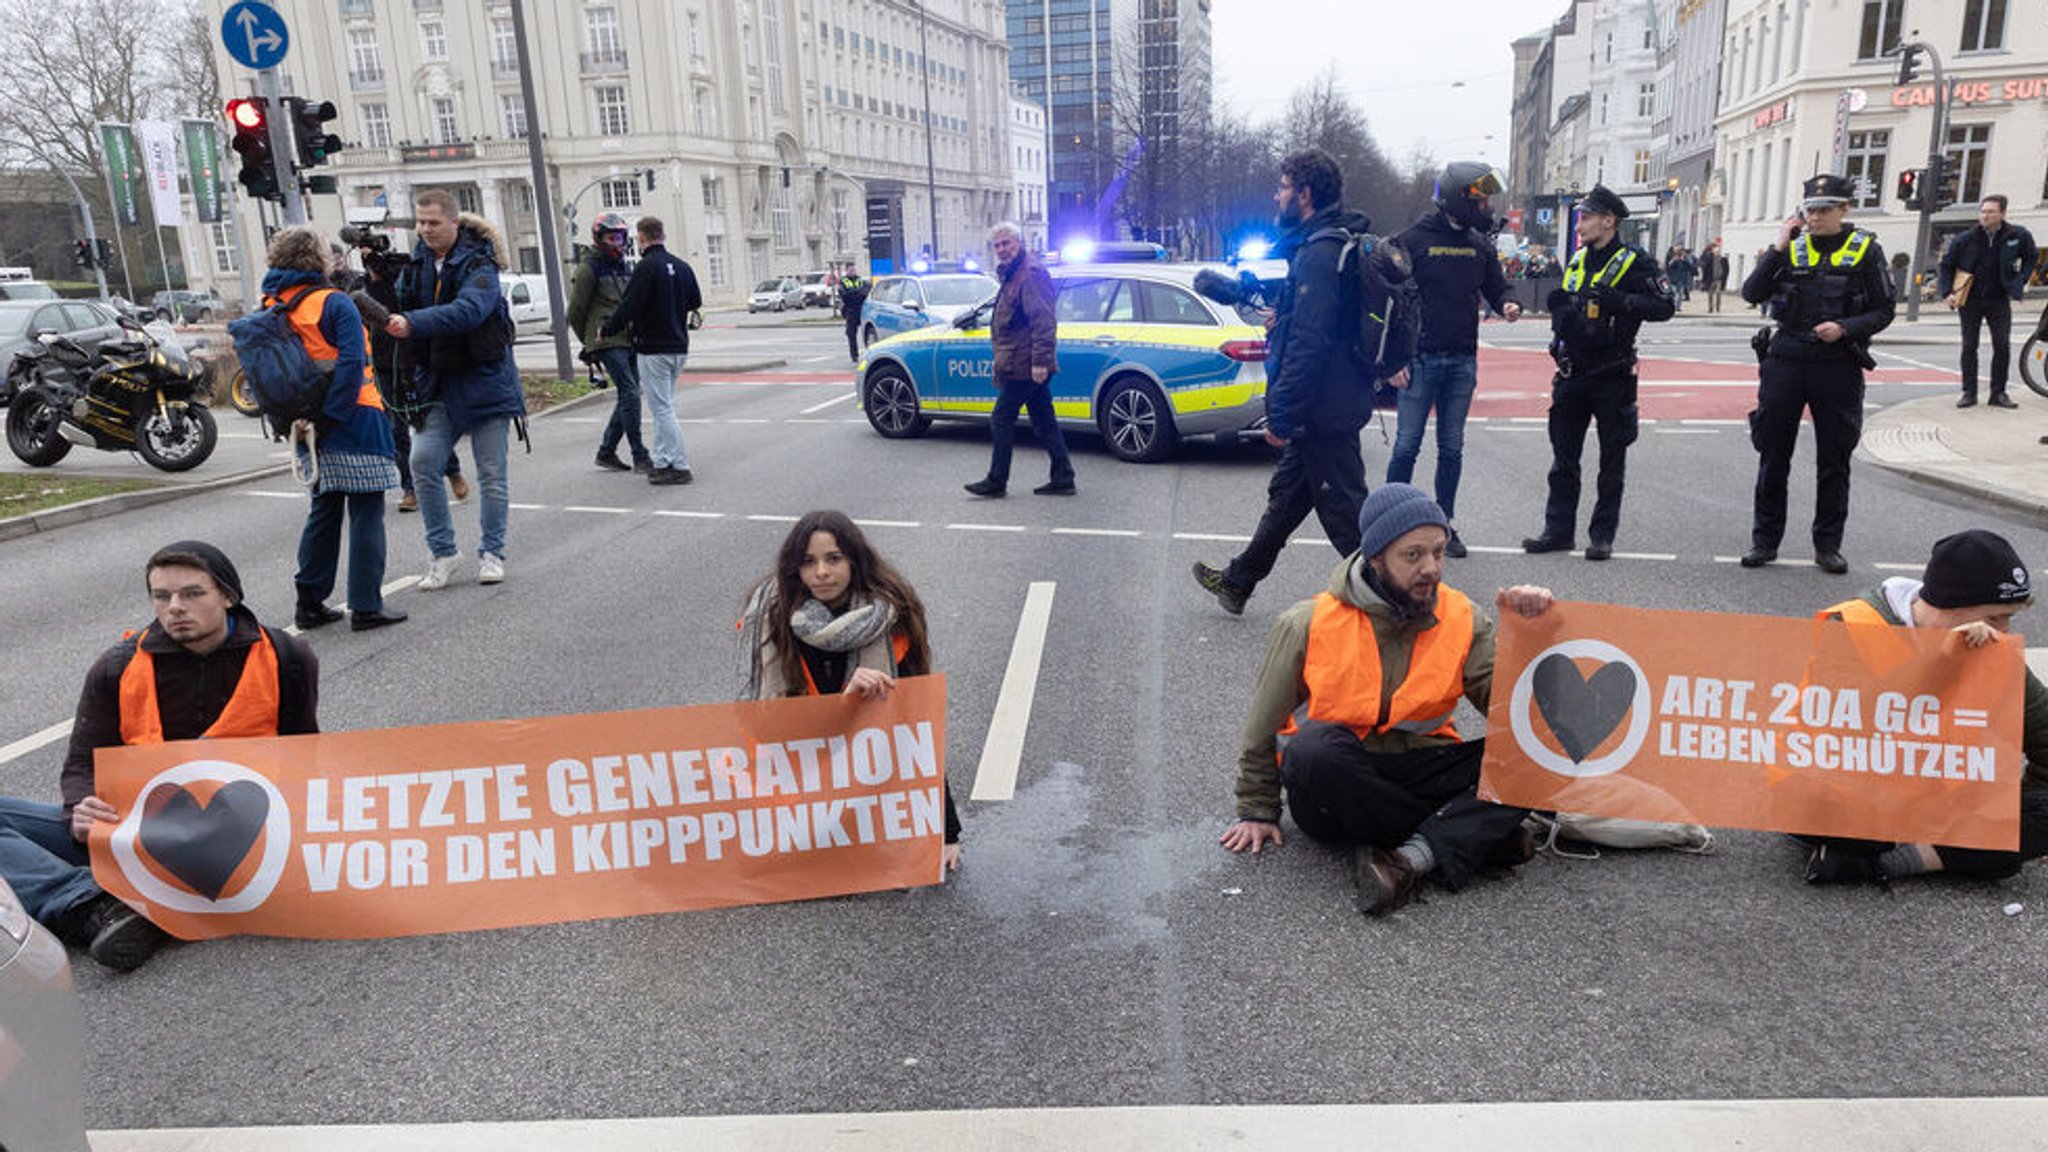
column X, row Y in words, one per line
column 65, row 515
column 1943, row 478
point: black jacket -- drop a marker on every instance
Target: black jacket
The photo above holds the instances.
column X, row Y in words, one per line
column 1455, row 267
column 659, row 299
column 191, row 692
column 1315, row 386
column 1585, row 344
column 1857, row 298
column 2001, row 266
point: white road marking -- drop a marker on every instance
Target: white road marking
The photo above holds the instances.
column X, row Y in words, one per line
column 1899, row 567
column 1493, row 550
column 1687, row 431
column 985, row 527
column 765, row 518
column 277, row 495
column 828, row 403
column 30, row 743
column 1716, row 423
column 1646, row 555
column 1131, row 533
column 995, row 778
column 1219, row 538
column 689, row 515
column 596, row 508
column 1516, row 428
column 527, row 507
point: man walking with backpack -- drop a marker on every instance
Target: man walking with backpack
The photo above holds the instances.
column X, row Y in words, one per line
column 595, row 292
column 1318, row 395
column 658, row 302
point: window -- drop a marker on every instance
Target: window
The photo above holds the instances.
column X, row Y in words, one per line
column 782, row 217
column 714, row 260
column 1165, row 304
column 226, row 253
column 1983, row 25
column 1969, row 146
column 446, row 130
column 433, row 39
column 1083, row 301
column 611, row 110
column 1603, row 108
column 619, row 193
column 512, row 115
column 468, row 199
column 771, row 32
column 504, row 45
column 376, row 126
column 1646, row 100
column 714, row 192
column 839, row 219
column 696, row 23
column 1641, row 169
column 601, row 34
column 365, row 64
column 522, row 197
column 1865, row 165
column 1881, row 20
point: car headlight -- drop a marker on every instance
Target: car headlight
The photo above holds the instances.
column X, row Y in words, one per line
column 14, row 920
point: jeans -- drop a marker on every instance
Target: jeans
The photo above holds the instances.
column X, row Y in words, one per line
column 658, row 373
column 401, row 438
column 435, row 443
column 620, row 366
column 1444, row 381
column 1324, row 473
column 320, row 549
column 1998, row 313
column 47, row 869
column 1036, row 399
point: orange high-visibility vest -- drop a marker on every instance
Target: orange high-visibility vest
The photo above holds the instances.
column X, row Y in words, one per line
column 1342, row 671
column 899, row 647
column 1883, row 651
column 322, row 352
column 251, row 711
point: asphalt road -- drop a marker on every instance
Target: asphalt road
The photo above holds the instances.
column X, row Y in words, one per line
column 1098, row 947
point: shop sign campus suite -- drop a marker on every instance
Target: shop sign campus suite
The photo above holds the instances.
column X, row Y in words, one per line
column 1809, row 726
column 492, row 824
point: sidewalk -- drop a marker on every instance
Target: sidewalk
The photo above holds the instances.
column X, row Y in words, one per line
column 1990, row 453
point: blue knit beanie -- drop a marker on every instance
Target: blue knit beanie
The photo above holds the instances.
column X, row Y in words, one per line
column 1393, row 511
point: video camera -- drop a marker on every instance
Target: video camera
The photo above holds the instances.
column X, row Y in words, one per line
column 375, row 249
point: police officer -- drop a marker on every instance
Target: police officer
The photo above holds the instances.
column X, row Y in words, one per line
column 853, row 292
column 1828, row 290
column 1609, row 289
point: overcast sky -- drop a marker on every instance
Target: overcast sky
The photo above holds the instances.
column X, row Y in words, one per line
column 1398, row 59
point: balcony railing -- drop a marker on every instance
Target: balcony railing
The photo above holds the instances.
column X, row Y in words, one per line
column 600, row 63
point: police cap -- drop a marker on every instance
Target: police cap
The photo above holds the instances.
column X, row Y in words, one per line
column 1605, row 202
column 1826, row 189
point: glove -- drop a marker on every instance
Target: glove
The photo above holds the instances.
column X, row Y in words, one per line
column 587, row 355
column 1615, row 301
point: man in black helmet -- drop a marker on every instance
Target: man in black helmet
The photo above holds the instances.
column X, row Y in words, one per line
column 1455, row 268
column 594, row 294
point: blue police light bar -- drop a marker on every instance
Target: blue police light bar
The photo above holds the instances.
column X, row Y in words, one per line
column 920, row 266
column 970, row 265
column 1077, row 251
column 1253, row 250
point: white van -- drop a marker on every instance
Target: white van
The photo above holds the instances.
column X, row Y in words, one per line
column 527, row 295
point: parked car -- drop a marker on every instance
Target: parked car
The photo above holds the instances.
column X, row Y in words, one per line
column 42, row 1038
column 818, row 289
column 26, row 290
column 899, row 304
column 84, row 321
column 182, row 307
column 776, row 294
column 1144, row 361
column 527, row 297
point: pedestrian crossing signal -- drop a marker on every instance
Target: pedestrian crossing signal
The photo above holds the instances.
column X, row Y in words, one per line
column 1909, row 188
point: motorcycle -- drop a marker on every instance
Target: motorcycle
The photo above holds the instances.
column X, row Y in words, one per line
column 142, row 394
column 2034, row 357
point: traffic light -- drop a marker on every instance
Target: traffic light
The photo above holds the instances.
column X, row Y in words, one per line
column 1909, row 188
column 103, row 251
column 251, row 121
column 81, row 254
column 309, row 130
column 1947, row 182
column 1909, row 63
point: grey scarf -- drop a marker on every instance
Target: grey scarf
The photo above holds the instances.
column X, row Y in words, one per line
column 864, row 622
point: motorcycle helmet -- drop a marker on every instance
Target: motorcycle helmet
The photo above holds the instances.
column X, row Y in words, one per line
column 609, row 232
column 1462, row 188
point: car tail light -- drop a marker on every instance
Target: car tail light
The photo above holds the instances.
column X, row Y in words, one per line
column 1250, row 351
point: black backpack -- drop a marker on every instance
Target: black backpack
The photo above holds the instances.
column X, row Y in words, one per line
column 286, row 383
column 1382, row 277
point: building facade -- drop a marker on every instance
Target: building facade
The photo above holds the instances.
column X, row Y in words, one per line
column 771, row 136
column 1690, row 216
column 1028, row 164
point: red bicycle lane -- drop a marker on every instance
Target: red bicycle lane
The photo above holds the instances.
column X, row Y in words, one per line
column 1516, row 382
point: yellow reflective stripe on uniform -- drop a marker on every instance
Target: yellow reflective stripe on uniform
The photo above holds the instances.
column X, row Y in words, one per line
column 1575, row 271
column 1849, row 255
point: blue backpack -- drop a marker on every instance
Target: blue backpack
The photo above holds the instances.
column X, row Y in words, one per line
column 286, row 383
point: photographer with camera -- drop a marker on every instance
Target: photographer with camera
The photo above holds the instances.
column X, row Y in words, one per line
column 595, row 292
column 376, row 297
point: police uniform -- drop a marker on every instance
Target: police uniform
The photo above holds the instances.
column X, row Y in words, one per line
column 1818, row 279
column 1607, row 294
column 853, row 293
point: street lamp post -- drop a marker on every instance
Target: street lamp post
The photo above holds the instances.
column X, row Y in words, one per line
column 99, row 270
column 931, row 183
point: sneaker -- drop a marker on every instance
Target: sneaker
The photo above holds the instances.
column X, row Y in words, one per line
column 490, row 568
column 458, row 489
column 118, row 936
column 1829, row 864
column 666, row 475
column 1227, row 594
column 410, row 502
column 439, row 570
column 610, row 462
column 1385, row 881
column 1454, row 547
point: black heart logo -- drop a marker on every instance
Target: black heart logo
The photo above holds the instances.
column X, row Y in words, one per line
column 1582, row 711
column 203, row 844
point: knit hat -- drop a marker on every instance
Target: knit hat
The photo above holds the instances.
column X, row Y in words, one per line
column 212, row 559
column 1974, row 568
column 1393, row 511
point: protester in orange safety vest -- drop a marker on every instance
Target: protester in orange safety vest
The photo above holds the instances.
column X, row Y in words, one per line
column 204, row 669
column 1974, row 585
column 1353, row 714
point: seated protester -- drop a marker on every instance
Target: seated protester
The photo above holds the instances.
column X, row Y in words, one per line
column 835, row 617
column 1352, row 715
column 205, row 668
column 1974, row 585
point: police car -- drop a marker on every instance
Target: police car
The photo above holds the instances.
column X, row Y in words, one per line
column 1144, row 360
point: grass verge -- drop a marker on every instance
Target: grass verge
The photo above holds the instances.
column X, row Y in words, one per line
column 21, row 494
column 544, row 393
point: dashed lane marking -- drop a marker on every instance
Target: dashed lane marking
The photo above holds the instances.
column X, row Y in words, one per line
column 686, row 514
column 35, row 740
column 995, row 777
column 985, row 527
column 819, row 407
column 1129, row 533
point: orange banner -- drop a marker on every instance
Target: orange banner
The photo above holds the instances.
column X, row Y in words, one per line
column 454, row 827
column 1810, row 726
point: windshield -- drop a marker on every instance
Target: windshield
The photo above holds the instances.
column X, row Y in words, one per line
column 26, row 290
column 958, row 290
column 768, row 286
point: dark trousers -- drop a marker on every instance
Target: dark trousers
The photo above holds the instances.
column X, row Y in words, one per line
column 1998, row 313
column 1574, row 404
column 1976, row 863
column 853, row 335
column 320, row 549
column 1325, row 474
column 1340, row 793
column 623, row 368
column 1036, row 399
column 1833, row 393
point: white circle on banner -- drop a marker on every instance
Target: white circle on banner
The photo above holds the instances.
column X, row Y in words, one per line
column 1523, row 702
column 277, row 841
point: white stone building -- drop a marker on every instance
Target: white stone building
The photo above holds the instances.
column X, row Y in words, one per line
column 1028, row 163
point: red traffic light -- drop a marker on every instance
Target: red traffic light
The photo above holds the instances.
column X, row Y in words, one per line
column 246, row 114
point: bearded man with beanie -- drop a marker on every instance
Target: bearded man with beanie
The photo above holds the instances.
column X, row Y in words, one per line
column 1974, row 585
column 1352, row 717
column 204, row 669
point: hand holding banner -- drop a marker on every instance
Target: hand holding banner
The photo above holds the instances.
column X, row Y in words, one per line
column 491, row 824
column 1810, row 726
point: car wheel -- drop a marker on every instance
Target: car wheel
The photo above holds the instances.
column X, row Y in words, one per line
column 32, row 429
column 890, row 400
column 205, row 314
column 1135, row 421
column 164, row 314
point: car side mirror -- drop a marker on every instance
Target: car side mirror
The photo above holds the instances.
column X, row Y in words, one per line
column 912, row 306
column 129, row 322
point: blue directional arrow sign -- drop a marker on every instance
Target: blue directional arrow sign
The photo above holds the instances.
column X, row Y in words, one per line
column 255, row 35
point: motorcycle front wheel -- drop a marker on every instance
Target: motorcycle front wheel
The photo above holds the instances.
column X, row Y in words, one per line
column 2034, row 363
column 177, row 442
column 32, row 428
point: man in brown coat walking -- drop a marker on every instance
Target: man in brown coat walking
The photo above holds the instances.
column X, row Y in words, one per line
column 1025, row 333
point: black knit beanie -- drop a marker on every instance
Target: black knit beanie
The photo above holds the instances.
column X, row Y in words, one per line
column 1974, row 568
